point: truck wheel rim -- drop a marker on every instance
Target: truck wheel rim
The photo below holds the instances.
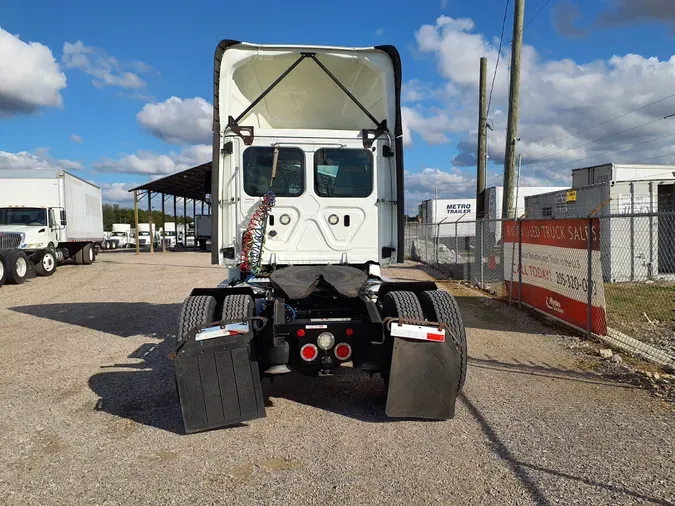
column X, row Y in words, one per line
column 21, row 267
column 2, row 270
column 48, row 262
column 91, row 254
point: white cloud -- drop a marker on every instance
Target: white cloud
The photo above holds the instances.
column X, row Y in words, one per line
column 117, row 192
column 558, row 99
column 178, row 121
column 420, row 186
column 105, row 69
column 379, row 32
column 28, row 164
column 145, row 162
column 30, row 77
column 76, row 138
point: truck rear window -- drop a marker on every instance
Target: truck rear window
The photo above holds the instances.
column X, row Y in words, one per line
column 343, row 172
column 290, row 178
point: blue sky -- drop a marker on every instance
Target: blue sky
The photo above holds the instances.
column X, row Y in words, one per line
column 169, row 45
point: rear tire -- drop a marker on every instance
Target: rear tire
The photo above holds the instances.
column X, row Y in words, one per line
column 3, row 271
column 16, row 265
column 440, row 306
column 87, row 254
column 197, row 311
column 46, row 263
column 237, row 306
column 399, row 305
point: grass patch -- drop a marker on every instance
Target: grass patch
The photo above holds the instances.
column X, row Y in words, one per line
column 626, row 303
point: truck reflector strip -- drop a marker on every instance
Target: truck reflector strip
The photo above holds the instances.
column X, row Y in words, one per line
column 419, row 332
column 218, row 331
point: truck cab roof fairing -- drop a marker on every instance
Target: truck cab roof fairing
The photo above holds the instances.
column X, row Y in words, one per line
column 307, row 98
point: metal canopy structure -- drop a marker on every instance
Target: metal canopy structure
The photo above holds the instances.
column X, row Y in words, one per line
column 190, row 184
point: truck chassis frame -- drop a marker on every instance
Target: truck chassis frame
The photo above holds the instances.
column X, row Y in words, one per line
column 313, row 320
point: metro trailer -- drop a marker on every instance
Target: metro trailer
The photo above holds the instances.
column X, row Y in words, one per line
column 307, row 208
column 60, row 218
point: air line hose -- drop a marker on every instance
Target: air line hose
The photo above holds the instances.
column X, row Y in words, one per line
column 254, row 237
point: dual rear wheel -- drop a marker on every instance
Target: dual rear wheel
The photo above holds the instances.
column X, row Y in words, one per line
column 434, row 306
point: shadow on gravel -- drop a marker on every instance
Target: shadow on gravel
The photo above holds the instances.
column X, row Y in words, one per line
column 546, row 371
column 523, row 471
column 145, row 392
column 349, row 392
column 123, row 319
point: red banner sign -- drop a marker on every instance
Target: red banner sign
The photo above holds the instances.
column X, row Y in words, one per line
column 554, row 269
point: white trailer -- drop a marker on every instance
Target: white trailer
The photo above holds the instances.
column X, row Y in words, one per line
column 609, row 172
column 60, row 218
column 640, row 246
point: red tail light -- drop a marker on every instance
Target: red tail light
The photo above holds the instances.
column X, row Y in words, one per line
column 301, row 332
column 349, row 331
column 309, row 352
column 343, row 351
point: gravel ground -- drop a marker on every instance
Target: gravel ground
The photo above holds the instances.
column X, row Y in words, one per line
column 89, row 414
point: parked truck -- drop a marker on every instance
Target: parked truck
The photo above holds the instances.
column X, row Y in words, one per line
column 146, row 235
column 169, row 234
column 120, row 237
column 307, row 207
column 60, row 218
column 203, row 230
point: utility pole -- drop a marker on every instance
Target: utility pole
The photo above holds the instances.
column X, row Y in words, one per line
column 481, row 156
column 138, row 250
column 152, row 235
column 514, row 99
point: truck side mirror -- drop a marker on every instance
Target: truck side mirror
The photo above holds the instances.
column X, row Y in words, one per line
column 64, row 221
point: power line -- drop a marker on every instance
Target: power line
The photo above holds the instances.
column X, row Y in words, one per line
column 654, row 157
column 499, row 53
column 600, row 154
column 595, row 140
column 600, row 124
column 537, row 14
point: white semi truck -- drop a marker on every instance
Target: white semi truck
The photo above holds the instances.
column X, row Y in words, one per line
column 60, row 218
column 307, row 198
column 169, row 234
column 146, row 235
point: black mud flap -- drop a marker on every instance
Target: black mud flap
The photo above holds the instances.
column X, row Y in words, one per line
column 218, row 382
column 423, row 380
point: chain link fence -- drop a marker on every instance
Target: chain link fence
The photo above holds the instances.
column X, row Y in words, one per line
column 614, row 274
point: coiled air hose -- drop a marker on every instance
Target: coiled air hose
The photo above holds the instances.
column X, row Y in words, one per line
column 254, row 238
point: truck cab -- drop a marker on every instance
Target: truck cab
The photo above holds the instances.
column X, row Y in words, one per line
column 307, row 206
column 38, row 225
